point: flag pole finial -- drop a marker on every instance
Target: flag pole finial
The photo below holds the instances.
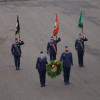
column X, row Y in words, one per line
column 81, row 9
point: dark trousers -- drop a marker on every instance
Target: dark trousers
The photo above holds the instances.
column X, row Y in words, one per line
column 17, row 61
column 42, row 75
column 53, row 56
column 80, row 58
column 66, row 73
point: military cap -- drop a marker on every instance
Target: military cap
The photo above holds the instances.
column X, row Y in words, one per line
column 66, row 46
column 41, row 52
column 80, row 34
column 16, row 38
column 52, row 37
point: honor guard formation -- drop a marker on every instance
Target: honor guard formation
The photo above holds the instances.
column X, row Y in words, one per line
column 49, row 50
column 55, row 67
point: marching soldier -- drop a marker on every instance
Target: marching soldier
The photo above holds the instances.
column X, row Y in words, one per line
column 16, row 52
column 67, row 59
column 52, row 48
column 41, row 67
column 79, row 46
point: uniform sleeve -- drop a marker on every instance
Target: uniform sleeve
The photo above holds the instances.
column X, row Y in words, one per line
column 61, row 58
column 85, row 39
column 71, row 59
column 76, row 45
column 37, row 63
column 48, row 47
column 12, row 49
column 21, row 42
column 59, row 39
column 46, row 61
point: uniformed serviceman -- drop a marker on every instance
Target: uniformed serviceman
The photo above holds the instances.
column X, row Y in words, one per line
column 41, row 67
column 67, row 59
column 79, row 46
column 16, row 52
column 52, row 48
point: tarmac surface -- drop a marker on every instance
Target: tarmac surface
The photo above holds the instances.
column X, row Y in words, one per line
column 37, row 21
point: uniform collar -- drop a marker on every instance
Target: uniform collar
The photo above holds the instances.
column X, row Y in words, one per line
column 66, row 52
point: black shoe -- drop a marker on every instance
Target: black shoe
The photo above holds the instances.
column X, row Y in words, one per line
column 82, row 65
column 68, row 83
column 42, row 86
column 45, row 85
column 65, row 83
column 16, row 68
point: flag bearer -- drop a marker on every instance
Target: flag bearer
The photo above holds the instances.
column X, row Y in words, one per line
column 79, row 46
column 16, row 52
column 52, row 48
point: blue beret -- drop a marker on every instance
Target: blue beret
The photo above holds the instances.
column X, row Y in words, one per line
column 51, row 37
column 66, row 46
column 41, row 52
column 80, row 34
column 16, row 38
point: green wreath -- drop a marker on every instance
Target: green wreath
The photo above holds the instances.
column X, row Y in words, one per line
column 54, row 68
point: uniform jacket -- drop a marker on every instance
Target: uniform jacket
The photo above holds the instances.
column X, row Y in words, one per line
column 79, row 44
column 67, row 59
column 15, row 49
column 50, row 48
column 41, row 63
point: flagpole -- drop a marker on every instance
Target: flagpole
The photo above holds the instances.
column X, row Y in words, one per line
column 56, row 41
column 19, row 41
column 82, row 29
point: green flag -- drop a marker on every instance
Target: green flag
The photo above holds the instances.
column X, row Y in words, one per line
column 80, row 22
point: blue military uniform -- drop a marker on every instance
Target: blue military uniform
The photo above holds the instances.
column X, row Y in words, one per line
column 41, row 67
column 16, row 52
column 79, row 46
column 52, row 49
column 67, row 59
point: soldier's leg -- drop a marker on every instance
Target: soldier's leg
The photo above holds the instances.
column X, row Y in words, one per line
column 41, row 79
column 44, row 77
column 18, row 62
column 15, row 60
column 51, row 57
column 54, row 57
column 79, row 60
column 65, row 74
column 68, row 74
column 83, row 59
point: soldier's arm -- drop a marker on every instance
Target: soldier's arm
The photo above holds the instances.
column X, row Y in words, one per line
column 61, row 58
column 12, row 49
column 48, row 47
column 71, row 59
column 37, row 63
column 46, row 61
column 21, row 42
column 59, row 39
column 85, row 39
column 76, row 44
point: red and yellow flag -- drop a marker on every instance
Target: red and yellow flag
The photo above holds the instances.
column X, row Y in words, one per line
column 56, row 26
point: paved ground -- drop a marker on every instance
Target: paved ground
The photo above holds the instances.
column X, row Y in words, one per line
column 37, row 19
